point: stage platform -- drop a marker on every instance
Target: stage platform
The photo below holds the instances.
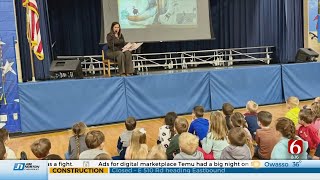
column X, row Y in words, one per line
column 53, row 105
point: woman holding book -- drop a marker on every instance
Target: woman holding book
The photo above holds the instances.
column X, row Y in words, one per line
column 116, row 43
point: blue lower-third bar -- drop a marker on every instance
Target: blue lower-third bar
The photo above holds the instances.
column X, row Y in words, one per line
column 214, row 170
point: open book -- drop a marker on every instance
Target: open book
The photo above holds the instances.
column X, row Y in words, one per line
column 131, row 46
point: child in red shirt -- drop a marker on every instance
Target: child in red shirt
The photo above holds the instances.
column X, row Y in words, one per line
column 306, row 131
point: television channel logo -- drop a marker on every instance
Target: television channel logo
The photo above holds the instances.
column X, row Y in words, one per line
column 295, row 147
column 19, row 166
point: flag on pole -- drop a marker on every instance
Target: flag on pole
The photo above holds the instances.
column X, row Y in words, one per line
column 33, row 27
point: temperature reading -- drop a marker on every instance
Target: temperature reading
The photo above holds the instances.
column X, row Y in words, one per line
column 296, row 164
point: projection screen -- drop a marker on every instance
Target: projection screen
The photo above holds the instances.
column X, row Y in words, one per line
column 158, row 20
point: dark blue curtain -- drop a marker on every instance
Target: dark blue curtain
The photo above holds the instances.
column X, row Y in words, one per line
column 75, row 26
column 41, row 67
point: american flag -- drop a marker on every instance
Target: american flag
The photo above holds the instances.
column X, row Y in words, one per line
column 33, row 27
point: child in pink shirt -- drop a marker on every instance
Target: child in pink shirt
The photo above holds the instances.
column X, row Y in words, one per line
column 315, row 107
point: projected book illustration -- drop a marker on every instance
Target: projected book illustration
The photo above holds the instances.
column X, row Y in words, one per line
column 153, row 13
column 159, row 20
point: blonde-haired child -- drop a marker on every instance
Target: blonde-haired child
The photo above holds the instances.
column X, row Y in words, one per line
column 251, row 117
column 138, row 149
column 216, row 139
column 293, row 106
column 77, row 143
column 188, row 147
column 252, row 106
column 157, row 152
column 237, row 150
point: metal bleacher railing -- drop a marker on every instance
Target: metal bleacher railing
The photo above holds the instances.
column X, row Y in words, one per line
column 183, row 59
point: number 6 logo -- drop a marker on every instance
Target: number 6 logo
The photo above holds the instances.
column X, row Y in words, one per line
column 295, row 146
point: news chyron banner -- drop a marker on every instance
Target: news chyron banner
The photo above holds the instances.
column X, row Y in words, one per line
column 186, row 170
column 159, row 170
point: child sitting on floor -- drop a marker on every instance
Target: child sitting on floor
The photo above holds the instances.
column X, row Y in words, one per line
column 157, row 152
column 315, row 107
column 4, row 135
column 287, row 131
column 181, row 125
column 227, row 110
column 77, row 142
column 266, row 137
column 237, row 150
column 166, row 132
column 41, row 148
column 3, row 153
column 125, row 137
column 237, row 120
column 138, row 149
column 251, row 117
column 188, row 148
column 200, row 125
column 95, row 141
column 216, row 139
column 293, row 106
column 306, row 131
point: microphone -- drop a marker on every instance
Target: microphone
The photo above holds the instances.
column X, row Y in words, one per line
column 114, row 56
column 113, row 42
column 118, row 33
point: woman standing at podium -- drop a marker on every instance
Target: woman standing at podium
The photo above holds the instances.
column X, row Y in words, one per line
column 116, row 42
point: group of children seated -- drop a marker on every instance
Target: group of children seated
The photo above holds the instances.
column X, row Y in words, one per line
column 227, row 135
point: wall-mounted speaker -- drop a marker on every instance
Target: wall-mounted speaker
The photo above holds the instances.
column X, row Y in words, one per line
column 306, row 55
